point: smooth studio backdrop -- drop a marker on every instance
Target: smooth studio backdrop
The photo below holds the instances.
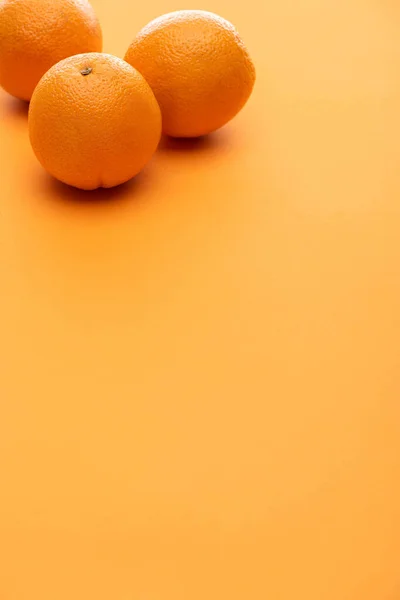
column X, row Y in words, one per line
column 199, row 371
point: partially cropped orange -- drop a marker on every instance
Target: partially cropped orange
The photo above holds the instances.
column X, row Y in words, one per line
column 94, row 121
column 37, row 34
column 198, row 67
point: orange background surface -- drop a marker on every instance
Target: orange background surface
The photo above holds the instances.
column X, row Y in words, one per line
column 199, row 371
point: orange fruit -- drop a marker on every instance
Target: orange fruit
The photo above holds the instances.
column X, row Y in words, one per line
column 37, row 34
column 198, row 68
column 93, row 121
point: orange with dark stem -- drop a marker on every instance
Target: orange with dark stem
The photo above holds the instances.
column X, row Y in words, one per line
column 94, row 121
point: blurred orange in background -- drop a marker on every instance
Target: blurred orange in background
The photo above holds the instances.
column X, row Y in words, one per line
column 199, row 371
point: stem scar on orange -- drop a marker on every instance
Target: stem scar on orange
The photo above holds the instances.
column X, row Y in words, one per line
column 198, row 67
column 94, row 121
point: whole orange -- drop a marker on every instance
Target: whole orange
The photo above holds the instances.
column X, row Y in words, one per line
column 197, row 66
column 37, row 34
column 94, row 121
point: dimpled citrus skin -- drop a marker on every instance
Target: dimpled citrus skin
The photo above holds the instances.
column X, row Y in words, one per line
column 94, row 121
column 197, row 66
column 37, row 34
